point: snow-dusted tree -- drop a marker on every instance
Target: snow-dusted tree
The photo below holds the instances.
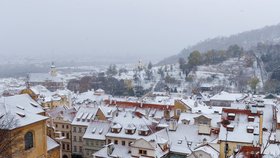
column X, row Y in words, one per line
column 112, row 70
column 8, row 138
column 253, row 82
column 150, row 65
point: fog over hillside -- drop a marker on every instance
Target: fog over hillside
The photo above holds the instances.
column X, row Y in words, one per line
column 247, row 39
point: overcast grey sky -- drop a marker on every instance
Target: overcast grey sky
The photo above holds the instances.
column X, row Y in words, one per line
column 137, row 29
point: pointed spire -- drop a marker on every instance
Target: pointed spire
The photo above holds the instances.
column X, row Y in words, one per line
column 53, row 70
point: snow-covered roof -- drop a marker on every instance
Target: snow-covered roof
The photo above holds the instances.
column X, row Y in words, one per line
column 118, row 151
column 208, row 148
column 85, row 115
column 20, row 108
column 24, row 101
column 108, row 111
column 240, row 125
column 126, row 118
column 97, row 130
column 188, row 133
column 225, row 96
column 51, row 144
column 63, row 112
column 90, row 97
column 215, row 118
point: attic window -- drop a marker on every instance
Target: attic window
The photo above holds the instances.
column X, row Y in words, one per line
column 33, row 104
column 20, row 114
column 180, row 141
column 20, row 107
column 143, row 133
column 85, row 116
column 250, row 129
column 230, row 128
column 101, row 131
column 231, row 116
column 109, row 112
column 251, row 118
column 129, row 131
column 94, row 129
column 116, row 128
column 80, row 116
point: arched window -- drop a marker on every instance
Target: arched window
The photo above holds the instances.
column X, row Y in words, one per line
column 28, row 140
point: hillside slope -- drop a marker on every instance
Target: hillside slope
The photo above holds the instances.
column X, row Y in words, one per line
column 268, row 34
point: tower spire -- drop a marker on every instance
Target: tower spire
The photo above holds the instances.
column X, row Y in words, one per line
column 53, row 70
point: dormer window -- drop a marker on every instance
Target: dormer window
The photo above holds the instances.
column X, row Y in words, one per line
column 230, row 128
column 185, row 121
column 143, row 130
column 180, row 141
column 251, row 118
column 250, row 129
column 116, row 128
column 130, row 129
column 143, row 133
column 231, row 116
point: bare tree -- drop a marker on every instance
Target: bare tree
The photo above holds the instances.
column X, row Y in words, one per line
column 8, row 138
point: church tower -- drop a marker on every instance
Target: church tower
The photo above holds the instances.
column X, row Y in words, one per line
column 53, row 70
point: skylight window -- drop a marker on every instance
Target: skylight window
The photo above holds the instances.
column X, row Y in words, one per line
column 93, row 130
column 20, row 114
column 20, row 107
column 33, row 104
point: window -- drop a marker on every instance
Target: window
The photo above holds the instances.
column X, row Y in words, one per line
column 67, row 135
column 28, row 140
column 63, row 134
column 178, row 112
column 75, row 138
column 67, row 126
column 68, row 147
column 116, row 142
column 143, row 152
column 238, row 146
column 80, row 130
column 62, row 126
column 63, row 146
column 109, row 141
column 123, row 143
column 80, row 139
column 74, row 129
column 75, row 148
column 56, row 125
column 102, row 143
column 81, row 149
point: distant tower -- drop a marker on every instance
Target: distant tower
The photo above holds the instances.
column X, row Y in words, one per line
column 140, row 65
column 27, row 81
column 53, row 70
